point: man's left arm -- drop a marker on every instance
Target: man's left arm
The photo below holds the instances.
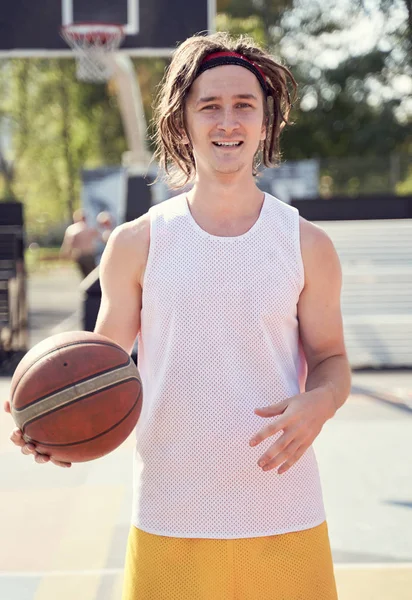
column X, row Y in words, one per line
column 320, row 317
column 328, row 384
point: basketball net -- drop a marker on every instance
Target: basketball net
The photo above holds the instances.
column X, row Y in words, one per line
column 91, row 43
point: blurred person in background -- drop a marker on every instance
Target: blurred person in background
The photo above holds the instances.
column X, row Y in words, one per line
column 80, row 243
column 105, row 224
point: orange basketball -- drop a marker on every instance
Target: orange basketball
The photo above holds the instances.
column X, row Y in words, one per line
column 76, row 395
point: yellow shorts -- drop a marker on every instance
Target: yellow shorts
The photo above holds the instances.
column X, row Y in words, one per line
column 291, row 566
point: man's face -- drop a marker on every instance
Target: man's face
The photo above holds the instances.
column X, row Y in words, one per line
column 225, row 119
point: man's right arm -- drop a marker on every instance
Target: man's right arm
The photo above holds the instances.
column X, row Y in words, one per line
column 121, row 274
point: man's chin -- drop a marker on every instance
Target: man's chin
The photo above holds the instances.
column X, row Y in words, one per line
column 228, row 169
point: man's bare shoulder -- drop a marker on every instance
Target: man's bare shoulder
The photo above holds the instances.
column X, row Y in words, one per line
column 318, row 250
column 313, row 238
column 133, row 233
column 128, row 245
column 72, row 229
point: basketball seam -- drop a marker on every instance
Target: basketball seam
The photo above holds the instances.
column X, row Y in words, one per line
column 68, row 385
column 57, row 408
column 67, row 345
column 95, row 436
column 75, row 392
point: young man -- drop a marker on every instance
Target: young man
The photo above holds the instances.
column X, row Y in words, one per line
column 80, row 243
column 236, row 303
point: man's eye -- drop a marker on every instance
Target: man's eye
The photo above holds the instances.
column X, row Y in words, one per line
column 244, row 105
column 210, row 106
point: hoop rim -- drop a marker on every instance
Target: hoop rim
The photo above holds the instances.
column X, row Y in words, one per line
column 85, row 29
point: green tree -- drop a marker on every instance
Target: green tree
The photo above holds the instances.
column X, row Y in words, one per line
column 59, row 126
column 268, row 14
column 336, row 117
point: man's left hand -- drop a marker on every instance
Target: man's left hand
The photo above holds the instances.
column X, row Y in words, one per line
column 301, row 419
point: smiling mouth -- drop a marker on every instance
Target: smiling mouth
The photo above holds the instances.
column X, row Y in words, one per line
column 227, row 144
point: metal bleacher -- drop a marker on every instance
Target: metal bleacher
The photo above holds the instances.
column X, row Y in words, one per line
column 13, row 307
column 376, row 258
column 7, row 271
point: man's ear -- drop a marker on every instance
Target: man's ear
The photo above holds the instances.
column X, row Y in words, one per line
column 264, row 129
column 181, row 126
column 183, row 137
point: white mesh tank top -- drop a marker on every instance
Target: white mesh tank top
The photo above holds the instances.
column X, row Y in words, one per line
column 219, row 337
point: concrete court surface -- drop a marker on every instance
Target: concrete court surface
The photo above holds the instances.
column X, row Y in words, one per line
column 63, row 532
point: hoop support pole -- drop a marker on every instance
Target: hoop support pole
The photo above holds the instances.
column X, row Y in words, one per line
column 131, row 109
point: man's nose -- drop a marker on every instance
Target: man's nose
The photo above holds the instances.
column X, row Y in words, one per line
column 228, row 120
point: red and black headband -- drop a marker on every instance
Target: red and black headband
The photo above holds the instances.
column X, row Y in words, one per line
column 217, row 59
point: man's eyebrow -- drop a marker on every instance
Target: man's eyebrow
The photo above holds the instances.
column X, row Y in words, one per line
column 246, row 96
column 214, row 98
column 208, row 99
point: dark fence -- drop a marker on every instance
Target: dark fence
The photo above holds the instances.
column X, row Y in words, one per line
column 346, row 208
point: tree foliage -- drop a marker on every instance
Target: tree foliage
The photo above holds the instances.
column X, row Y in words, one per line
column 59, row 126
column 338, row 118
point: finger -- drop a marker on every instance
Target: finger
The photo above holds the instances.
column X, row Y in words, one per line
column 6, row 406
column 279, row 446
column 41, row 459
column 60, row 463
column 293, row 459
column 269, row 431
column 281, row 457
column 28, row 449
column 16, row 437
column 273, row 409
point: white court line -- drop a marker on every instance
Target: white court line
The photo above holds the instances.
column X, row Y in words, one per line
column 116, row 571
column 376, row 566
column 85, row 572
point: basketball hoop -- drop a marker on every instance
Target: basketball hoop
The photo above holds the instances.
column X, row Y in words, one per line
column 92, row 42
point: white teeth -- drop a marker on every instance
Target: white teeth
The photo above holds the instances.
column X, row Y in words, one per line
column 227, row 143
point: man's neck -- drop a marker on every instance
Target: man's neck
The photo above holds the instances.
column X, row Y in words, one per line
column 225, row 210
column 227, row 198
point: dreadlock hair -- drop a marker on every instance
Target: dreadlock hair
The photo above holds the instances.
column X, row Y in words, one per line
column 177, row 159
